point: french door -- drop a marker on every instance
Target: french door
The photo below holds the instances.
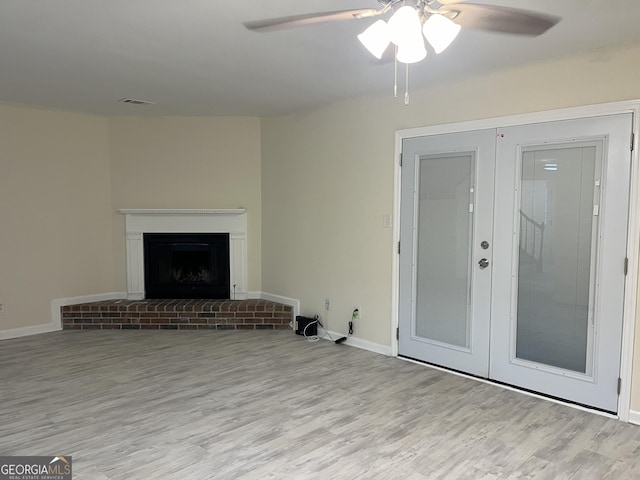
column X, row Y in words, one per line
column 513, row 242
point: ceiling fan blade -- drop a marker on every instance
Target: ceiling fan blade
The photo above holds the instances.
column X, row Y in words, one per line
column 309, row 18
column 501, row 19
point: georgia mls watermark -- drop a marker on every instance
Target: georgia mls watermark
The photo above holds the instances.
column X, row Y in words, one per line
column 35, row 468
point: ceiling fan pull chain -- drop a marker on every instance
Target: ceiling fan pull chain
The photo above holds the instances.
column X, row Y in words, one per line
column 395, row 74
column 406, row 85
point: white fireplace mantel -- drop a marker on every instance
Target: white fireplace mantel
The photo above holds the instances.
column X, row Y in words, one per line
column 183, row 211
column 141, row 221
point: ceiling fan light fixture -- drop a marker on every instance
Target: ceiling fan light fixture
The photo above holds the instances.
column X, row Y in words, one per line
column 376, row 38
column 403, row 25
column 440, row 32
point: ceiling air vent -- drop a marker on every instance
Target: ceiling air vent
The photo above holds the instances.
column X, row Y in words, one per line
column 136, row 102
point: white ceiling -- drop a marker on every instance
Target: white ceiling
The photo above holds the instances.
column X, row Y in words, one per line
column 194, row 57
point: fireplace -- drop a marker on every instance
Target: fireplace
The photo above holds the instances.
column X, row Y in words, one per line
column 186, row 265
column 231, row 223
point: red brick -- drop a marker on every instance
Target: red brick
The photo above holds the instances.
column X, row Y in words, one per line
column 160, row 320
column 151, row 313
column 82, row 320
column 188, row 327
column 179, row 320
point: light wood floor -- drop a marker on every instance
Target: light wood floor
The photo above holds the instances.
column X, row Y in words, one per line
column 268, row 405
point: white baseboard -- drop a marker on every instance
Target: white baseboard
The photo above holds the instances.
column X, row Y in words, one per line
column 56, row 316
column 292, row 302
column 25, row 331
column 634, row 417
column 359, row 343
column 350, row 341
column 56, row 303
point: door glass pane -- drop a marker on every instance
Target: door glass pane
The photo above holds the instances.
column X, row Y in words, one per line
column 443, row 248
column 556, row 255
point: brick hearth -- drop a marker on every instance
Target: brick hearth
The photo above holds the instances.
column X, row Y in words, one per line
column 177, row 315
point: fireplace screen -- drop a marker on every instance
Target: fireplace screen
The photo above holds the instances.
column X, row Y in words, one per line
column 186, row 265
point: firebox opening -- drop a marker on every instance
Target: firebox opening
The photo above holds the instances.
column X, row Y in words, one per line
column 186, row 265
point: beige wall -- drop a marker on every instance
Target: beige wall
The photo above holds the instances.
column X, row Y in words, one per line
column 328, row 178
column 63, row 175
column 55, row 219
column 186, row 162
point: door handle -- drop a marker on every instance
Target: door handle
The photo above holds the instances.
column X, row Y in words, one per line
column 483, row 263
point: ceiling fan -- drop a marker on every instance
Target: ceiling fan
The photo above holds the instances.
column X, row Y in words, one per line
column 412, row 21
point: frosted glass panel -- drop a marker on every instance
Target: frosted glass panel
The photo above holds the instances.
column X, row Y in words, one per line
column 557, row 244
column 443, row 248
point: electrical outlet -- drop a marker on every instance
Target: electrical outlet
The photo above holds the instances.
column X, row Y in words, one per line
column 327, row 304
column 356, row 313
column 1, row 307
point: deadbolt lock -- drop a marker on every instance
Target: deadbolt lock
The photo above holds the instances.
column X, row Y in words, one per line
column 484, row 244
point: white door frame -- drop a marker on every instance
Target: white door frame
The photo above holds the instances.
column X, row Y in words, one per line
column 633, row 236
